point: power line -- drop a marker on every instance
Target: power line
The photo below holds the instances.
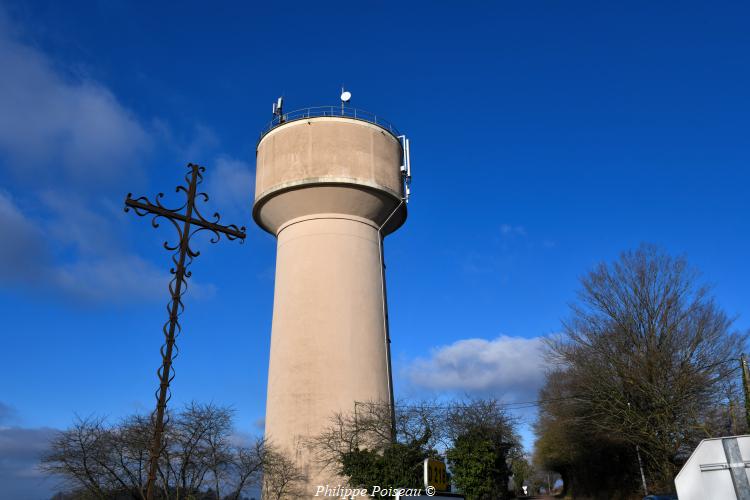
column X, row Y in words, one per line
column 522, row 405
column 510, row 405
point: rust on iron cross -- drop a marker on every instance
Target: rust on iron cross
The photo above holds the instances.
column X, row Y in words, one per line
column 188, row 221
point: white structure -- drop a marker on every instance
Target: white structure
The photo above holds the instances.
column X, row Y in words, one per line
column 330, row 188
column 717, row 470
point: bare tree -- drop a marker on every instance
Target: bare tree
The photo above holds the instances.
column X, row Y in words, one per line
column 370, row 426
column 245, row 467
column 360, row 445
column 281, row 476
column 486, row 414
column 645, row 359
column 75, row 456
column 111, row 461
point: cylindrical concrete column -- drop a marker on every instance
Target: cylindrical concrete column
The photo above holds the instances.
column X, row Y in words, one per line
column 325, row 188
column 328, row 338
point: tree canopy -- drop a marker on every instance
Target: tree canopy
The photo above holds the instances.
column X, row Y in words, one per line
column 477, row 437
column 202, row 459
column 647, row 364
column 483, row 445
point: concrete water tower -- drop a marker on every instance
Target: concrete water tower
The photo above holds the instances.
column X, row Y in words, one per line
column 331, row 183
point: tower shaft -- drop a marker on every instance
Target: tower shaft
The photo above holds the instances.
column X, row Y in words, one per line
column 329, row 189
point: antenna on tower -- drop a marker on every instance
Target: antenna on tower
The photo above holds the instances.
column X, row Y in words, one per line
column 278, row 108
column 405, row 166
column 345, row 97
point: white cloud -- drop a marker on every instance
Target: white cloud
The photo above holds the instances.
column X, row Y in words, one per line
column 231, row 183
column 509, row 368
column 83, row 224
column 20, row 449
column 66, row 135
column 48, row 120
column 22, row 252
column 260, row 423
column 123, row 278
column 97, row 272
column 480, row 263
column 511, row 230
column 7, row 414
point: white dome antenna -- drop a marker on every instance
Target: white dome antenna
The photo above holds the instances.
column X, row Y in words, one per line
column 345, row 98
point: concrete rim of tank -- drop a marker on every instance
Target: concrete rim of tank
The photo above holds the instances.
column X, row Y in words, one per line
column 395, row 222
column 272, row 129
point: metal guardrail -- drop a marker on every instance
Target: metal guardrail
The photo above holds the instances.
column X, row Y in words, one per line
column 339, row 111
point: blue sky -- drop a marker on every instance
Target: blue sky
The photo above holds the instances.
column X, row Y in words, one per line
column 546, row 137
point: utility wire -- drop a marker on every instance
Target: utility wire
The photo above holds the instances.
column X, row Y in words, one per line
column 512, row 405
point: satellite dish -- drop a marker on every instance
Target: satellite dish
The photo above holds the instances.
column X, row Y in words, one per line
column 345, row 96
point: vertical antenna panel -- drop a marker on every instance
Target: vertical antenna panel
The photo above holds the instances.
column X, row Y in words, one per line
column 408, row 160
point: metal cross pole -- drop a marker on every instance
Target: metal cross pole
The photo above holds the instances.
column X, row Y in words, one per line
column 187, row 223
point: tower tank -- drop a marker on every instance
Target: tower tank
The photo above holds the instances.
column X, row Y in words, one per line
column 330, row 185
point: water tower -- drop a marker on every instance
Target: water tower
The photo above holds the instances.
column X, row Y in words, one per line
column 331, row 183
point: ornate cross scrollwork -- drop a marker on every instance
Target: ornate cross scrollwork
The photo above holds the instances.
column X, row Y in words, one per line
column 188, row 221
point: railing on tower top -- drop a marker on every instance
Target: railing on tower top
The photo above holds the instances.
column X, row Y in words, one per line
column 340, row 111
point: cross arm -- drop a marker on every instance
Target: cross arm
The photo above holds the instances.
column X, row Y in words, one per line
column 164, row 212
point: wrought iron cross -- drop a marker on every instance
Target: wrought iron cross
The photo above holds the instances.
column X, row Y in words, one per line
column 188, row 221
